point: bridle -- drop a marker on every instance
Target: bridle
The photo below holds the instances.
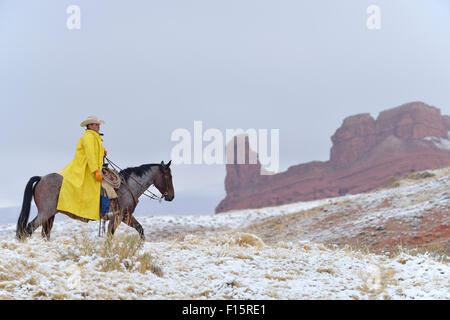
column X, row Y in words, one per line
column 151, row 195
column 167, row 186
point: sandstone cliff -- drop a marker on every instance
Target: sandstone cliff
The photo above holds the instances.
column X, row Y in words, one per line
column 366, row 153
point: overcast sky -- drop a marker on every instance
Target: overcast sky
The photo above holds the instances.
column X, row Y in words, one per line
column 149, row 67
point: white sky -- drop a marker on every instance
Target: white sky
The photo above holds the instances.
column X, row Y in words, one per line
column 150, row 67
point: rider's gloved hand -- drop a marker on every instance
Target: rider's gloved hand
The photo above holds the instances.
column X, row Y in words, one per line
column 105, row 153
column 98, row 175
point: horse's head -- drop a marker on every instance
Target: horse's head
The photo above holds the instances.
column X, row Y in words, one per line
column 163, row 181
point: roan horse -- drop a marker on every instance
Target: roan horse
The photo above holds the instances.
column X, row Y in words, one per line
column 46, row 194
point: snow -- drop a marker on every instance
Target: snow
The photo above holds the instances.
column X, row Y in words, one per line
column 214, row 257
column 440, row 142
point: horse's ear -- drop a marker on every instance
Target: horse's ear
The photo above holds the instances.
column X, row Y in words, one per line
column 168, row 164
column 162, row 162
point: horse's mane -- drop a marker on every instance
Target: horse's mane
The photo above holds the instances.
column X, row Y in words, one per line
column 137, row 171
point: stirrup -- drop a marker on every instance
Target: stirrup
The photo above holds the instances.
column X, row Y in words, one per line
column 107, row 215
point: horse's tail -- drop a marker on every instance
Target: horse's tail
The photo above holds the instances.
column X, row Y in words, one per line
column 26, row 204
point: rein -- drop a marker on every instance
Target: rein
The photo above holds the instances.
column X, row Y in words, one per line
column 151, row 195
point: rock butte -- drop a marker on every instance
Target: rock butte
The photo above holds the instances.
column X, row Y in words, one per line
column 365, row 154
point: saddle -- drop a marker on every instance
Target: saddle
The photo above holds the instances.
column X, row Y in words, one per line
column 109, row 199
column 111, row 180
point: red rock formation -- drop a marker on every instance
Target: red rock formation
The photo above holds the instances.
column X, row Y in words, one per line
column 365, row 154
column 356, row 136
column 241, row 176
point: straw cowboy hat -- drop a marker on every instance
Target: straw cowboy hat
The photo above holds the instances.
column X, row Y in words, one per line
column 90, row 120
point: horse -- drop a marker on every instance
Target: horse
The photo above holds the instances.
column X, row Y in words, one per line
column 46, row 189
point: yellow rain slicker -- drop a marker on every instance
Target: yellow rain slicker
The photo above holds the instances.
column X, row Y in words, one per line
column 80, row 192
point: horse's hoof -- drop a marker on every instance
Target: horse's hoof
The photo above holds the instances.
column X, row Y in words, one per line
column 21, row 236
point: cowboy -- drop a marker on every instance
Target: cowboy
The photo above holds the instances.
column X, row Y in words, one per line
column 80, row 189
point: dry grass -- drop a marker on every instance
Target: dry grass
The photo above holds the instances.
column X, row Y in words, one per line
column 435, row 250
column 70, row 254
column 40, row 294
column 230, row 240
column 285, row 227
column 126, row 253
column 119, row 253
column 9, row 245
column 395, row 182
column 59, row 296
column 19, row 271
column 325, row 270
column 350, row 247
column 419, row 175
column 278, row 278
column 248, row 240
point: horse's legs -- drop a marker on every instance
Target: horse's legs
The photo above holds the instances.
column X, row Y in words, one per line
column 47, row 228
column 114, row 224
column 36, row 223
column 46, row 195
column 132, row 222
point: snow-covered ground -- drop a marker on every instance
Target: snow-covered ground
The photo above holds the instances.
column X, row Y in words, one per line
column 217, row 257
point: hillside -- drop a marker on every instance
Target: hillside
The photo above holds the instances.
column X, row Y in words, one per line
column 339, row 248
